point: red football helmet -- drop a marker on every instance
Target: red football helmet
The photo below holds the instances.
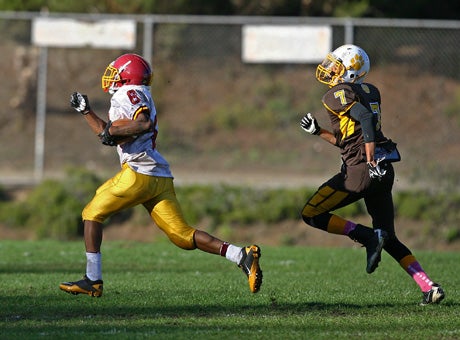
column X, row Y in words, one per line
column 128, row 69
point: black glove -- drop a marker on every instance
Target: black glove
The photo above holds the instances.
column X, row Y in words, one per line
column 80, row 103
column 106, row 137
column 310, row 124
column 376, row 171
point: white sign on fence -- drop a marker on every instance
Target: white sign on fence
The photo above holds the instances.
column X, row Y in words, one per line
column 286, row 44
column 55, row 32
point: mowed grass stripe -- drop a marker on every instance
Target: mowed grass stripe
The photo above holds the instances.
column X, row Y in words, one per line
column 159, row 291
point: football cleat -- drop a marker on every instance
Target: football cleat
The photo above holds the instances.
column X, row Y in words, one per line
column 250, row 265
column 434, row 295
column 84, row 286
column 374, row 248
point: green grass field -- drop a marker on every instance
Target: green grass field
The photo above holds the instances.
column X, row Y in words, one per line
column 159, row 291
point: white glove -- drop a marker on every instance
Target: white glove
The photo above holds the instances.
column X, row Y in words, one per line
column 80, row 102
column 376, row 171
column 310, row 124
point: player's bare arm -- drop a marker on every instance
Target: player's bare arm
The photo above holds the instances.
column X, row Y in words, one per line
column 128, row 127
column 111, row 133
column 96, row 124
column 328, row 136
column 370, row 150
column 80, row 103
column 310, row 124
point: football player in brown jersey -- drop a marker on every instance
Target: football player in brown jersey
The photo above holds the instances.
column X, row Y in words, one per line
column 366, row 172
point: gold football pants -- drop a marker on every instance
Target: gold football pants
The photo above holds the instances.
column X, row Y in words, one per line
column 128, row 189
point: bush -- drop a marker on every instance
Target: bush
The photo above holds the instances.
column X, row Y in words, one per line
column 440, row 210
column 224, row 204
column 3, row 195
column 53, row 212
column 53, row 208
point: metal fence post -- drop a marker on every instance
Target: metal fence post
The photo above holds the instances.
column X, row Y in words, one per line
column 349, row 34
column 148, row 39
column 41, row 114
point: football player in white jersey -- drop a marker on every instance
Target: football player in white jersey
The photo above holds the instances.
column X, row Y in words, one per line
column 144, row 178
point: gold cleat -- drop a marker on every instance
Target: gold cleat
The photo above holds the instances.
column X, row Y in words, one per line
column 84, row 286
column 250, row 266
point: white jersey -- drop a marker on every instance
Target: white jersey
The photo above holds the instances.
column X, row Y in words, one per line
column 140, row 154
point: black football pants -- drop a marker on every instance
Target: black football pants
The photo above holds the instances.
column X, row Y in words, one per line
column 350, row 185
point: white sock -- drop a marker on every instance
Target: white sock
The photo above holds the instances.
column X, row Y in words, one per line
column 94, row 266
column 234, row 253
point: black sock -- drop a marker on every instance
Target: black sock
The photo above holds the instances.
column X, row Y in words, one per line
column 361, row 234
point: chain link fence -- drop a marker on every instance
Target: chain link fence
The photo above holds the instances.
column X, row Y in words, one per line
column 220, row 114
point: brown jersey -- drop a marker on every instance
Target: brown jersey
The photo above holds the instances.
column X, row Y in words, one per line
column 338, row 101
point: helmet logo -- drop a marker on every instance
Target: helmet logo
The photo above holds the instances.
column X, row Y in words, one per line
column 357, row 62
column 122, row 68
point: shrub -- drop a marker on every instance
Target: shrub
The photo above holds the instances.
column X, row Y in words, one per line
column 224, row 204
column 53, row 208
column 440, row 210
column 53, row 211
column 3, row 195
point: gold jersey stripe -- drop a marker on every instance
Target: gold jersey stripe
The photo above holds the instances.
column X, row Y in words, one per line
column 140, row 110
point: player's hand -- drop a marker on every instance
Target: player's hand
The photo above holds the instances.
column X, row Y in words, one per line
column 105, row 136
column 375, row 171
column 310, row 124
column 80, row 102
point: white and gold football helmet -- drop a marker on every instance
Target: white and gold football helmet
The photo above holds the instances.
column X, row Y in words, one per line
column 346, row 64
